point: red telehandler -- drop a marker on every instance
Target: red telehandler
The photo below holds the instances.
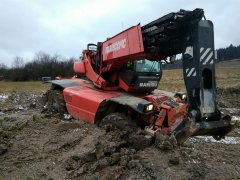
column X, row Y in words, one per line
column 116, row 80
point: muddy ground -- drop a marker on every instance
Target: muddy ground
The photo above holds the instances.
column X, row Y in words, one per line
column 40, row 145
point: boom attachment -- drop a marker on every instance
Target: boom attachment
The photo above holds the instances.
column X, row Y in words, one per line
column 185, row 32
column 199, row 77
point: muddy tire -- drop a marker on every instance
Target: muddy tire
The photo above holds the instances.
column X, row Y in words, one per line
column 55, row 101
column 117, row 121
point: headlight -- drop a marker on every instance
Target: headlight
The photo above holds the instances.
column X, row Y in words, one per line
column 149, row 107
column 184, row 96
column 181, row 95
column 145, row 107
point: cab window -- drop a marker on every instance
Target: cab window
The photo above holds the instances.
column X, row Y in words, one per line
column 148, row 66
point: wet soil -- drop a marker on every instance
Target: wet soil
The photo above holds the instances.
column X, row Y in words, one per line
column 40, row 145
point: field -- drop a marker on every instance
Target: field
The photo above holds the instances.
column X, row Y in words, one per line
column 41, row 145
column 32, row 87
column 227, row 75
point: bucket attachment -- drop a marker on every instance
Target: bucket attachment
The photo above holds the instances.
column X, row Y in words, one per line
column 215, row 128
column 183, row 129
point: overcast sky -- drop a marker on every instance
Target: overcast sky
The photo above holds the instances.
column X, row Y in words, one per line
column 66, row 26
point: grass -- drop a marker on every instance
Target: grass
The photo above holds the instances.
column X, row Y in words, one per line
column 35, row 87
column 172, row 80
column 227, row 75
column 232, row 64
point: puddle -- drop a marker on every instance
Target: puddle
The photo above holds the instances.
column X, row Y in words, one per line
column 3, row 97
column 235, row 118
column 227, row 140
column 231, row 110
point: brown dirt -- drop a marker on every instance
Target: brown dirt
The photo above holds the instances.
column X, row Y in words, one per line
column 228, row 97
column 35, row 145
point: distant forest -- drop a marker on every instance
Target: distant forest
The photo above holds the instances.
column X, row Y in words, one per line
column 42, row 65
column 45, row 65
column 228, row 53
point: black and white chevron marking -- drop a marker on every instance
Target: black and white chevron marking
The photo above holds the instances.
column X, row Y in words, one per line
column 206, row 56
column 191, row 72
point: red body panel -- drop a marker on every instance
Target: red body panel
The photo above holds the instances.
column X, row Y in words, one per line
column 83, row 101
column 174, row 115
column 79, row 67
column 127, row 43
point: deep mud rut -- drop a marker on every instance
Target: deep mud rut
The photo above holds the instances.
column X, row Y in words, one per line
column 36, row 145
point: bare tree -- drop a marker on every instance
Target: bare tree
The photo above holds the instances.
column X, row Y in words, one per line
column 18, row 63
column 3, row 66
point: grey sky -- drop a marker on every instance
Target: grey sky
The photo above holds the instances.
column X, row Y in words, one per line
column 66, row 26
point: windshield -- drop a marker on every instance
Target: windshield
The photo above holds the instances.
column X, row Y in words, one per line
column 148, row 66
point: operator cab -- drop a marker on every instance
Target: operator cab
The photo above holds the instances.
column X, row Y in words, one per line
column 141, row 75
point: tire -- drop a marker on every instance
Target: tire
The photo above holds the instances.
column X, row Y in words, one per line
column 56, row 102
column 117, row 121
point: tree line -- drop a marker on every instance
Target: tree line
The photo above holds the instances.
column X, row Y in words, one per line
column 42, row 65
column 228, row 53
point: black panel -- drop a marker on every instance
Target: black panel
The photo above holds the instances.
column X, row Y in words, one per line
column 199, row 68
column 64, row 83
column 165, row 35
column 145, row 82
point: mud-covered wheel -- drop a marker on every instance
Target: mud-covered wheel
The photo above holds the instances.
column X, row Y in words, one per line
column 55, row 101
column 117, row 121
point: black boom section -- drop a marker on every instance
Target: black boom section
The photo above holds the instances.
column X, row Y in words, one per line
column 199, row 68
column 165, row 35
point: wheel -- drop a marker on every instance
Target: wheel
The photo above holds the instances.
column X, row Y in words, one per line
column 56, row 102
column 119, row 121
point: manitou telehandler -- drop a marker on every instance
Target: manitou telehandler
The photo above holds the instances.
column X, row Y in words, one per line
column 116, row 79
